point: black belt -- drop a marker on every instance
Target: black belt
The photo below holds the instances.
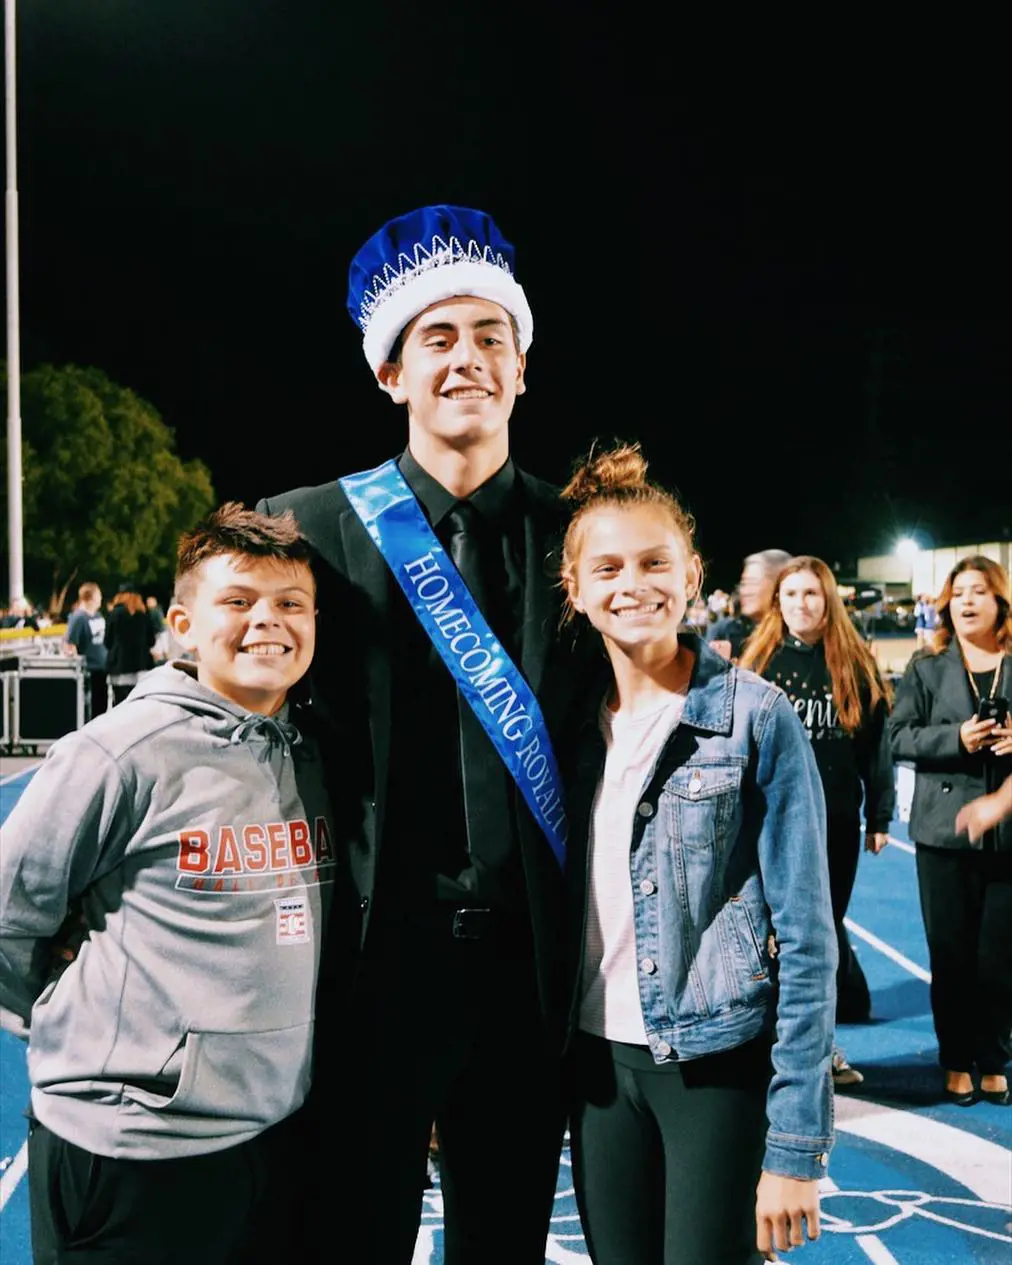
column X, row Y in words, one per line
column 461, row 922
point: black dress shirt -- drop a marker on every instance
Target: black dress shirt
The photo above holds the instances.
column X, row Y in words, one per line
column 425, row 856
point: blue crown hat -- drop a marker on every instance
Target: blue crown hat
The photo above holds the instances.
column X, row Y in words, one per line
column 426, row 256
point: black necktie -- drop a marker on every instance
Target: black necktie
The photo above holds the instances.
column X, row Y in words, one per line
column 486, row 805
column 465, row 550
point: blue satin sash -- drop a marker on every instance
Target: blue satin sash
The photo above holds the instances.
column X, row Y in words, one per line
column 486, row 676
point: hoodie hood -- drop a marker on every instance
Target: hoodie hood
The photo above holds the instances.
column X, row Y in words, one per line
column 176, row 684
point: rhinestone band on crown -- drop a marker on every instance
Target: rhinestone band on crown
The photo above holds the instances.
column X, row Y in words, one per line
column 393, row 278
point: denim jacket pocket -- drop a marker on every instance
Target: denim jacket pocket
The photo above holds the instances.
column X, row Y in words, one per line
column 751, row 951
column 700, row 800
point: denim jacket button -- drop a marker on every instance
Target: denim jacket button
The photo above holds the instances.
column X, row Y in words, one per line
column 824, row 1159
column 647, row 886
column 648, row 966
column 695, row 784
column 645, row 809
column 663, row 1049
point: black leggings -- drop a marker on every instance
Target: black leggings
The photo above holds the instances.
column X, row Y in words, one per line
column 666, row 1159
column 853, row 998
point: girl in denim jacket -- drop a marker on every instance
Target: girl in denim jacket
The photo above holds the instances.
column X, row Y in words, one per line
column 703, row 950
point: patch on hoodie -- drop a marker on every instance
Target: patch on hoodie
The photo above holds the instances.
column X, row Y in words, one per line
column 293, row 920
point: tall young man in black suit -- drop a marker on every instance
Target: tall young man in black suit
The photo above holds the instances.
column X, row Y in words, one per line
column 457, row 1009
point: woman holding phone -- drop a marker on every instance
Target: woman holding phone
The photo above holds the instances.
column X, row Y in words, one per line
column 951, row 723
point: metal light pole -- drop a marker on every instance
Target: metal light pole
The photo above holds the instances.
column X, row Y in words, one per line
column 14, row 505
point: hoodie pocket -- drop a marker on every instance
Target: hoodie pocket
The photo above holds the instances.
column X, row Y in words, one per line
column 256, row 1076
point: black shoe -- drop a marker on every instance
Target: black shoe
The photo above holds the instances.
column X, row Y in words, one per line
column 960, row 1098
column 997, row 1097
column 853, row 1010
column 850, row 1017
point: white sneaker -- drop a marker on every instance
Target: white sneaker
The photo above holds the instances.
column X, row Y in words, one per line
column 844, row 1076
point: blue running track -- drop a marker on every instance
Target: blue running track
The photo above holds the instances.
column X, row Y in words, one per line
column 912, row 1181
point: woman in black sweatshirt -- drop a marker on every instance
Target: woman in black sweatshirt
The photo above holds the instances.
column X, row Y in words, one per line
column 809, row 646
column 129, row 636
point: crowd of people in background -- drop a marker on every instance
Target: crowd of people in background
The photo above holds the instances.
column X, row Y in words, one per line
column 119, row 640
column 22, row 616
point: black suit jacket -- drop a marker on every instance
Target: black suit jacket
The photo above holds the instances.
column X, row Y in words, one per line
column 932, row 701
column 351, row 677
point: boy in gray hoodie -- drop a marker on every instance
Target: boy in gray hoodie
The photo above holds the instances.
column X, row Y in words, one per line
column 191, row 830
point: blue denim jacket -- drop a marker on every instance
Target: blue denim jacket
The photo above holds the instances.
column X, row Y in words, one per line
column 734, row 928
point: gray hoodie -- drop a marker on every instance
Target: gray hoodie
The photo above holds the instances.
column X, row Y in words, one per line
column 197, row 841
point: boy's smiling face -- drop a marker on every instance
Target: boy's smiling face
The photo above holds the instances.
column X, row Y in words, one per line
column 251, row 625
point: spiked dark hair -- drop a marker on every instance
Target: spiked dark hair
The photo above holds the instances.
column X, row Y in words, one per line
column 234, row 529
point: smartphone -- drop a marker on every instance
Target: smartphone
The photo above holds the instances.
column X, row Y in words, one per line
column 995, row 708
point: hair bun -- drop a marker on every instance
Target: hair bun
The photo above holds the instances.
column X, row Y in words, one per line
column 622, row 466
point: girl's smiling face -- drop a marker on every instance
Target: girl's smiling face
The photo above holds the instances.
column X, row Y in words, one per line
column 633, row 576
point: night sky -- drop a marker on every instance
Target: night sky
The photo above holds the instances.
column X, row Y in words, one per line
column 790, row 281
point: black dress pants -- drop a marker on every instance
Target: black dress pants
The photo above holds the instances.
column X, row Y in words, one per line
column 966, row 901
column 226, row 1208
column 447, row 1031
column 853, row 997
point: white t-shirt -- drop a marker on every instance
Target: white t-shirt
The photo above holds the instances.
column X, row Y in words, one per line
column 610, row 1005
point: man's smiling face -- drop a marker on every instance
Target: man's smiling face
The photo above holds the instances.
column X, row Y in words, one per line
column 251, row 625
column 459, row 373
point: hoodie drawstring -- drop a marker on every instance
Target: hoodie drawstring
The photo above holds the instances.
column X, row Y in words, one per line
column 279, row 731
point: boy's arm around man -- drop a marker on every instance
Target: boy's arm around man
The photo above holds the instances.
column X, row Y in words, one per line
column 67, row 827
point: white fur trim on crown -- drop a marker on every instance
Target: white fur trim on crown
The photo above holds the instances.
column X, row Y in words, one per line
column 468, row 278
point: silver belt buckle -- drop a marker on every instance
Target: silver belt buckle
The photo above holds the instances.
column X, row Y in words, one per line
column 471, row 924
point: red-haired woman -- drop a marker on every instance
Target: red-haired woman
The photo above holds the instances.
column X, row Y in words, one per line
column 808, row 645
column 129, row 636
column 944, row 725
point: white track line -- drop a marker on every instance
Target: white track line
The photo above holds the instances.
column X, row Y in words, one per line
column 982, row 1166
column 10, row 777
column 870, row 1244
column 12, row 1174
column 888, row 950
column 875, row 1249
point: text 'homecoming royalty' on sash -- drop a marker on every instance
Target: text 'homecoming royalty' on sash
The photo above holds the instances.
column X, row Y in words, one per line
column 486, row 676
